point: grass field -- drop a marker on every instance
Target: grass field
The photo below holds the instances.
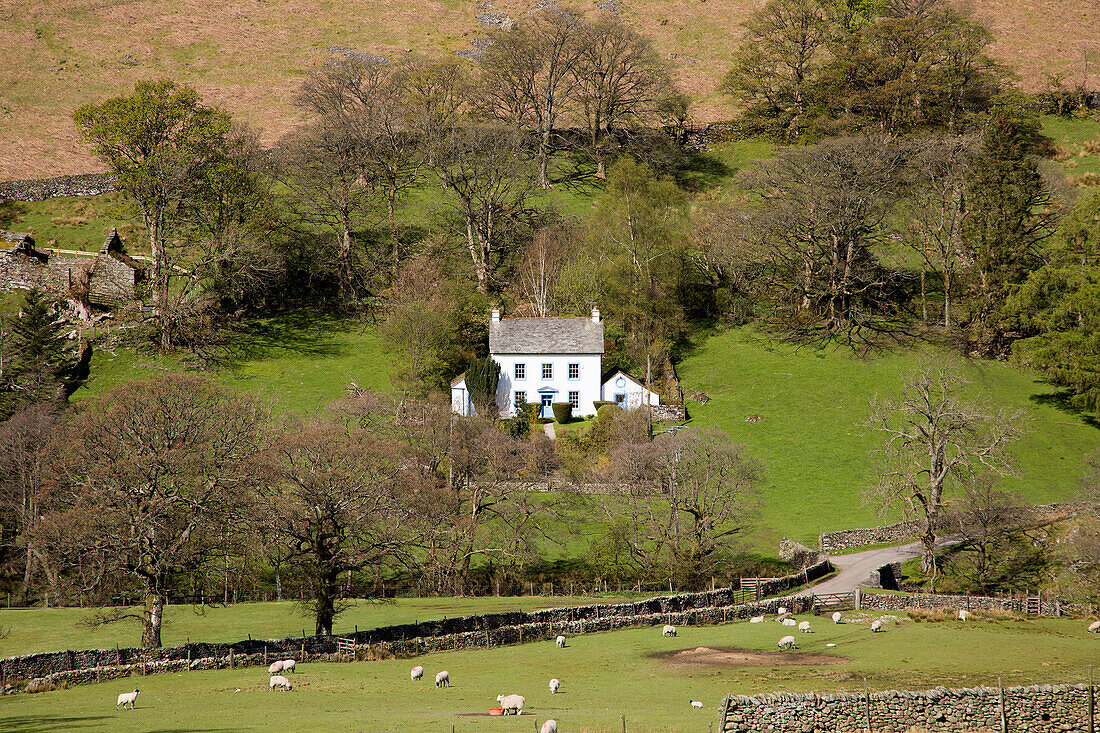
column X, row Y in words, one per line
column 636, row 673
column 49, row 629
column 819, row 458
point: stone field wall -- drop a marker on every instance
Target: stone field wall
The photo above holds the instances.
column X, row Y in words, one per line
column 900, row 602
column 87, row 184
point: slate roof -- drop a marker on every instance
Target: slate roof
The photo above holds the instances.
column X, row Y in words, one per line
column 546, row 336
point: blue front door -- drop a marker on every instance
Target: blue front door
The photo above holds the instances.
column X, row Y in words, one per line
column 548, row 405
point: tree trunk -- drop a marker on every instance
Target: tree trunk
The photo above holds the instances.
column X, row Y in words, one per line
column 154, row 616
column 155, row 226
column 278, row 583
column 923, row 298
column 947, row 299
column 391, row 200
column 480, row 260
column 325, row 609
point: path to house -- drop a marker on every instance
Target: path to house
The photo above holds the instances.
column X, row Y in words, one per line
column 857, row 567
column 548, row 428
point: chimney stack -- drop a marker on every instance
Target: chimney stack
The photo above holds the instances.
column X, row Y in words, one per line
column 595, row 314
column 496, row 315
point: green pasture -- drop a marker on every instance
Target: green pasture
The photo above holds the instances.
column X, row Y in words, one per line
column 819, row 458
column 1072, row 133
column 637, row 673
column 33, row 630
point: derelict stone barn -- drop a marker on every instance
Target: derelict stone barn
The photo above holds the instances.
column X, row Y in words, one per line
column 113, row 276
column 548, row 360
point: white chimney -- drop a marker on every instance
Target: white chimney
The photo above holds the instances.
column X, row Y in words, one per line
column 595, row 314
column 496, row 315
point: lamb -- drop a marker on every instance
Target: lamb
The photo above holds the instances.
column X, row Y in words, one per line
column 804, row 627
column 876, row 625
column 696, row 704
column 964, row 615
column 512, row 703
column 789, row 622
column 787, row 642
column 417, row 673
column 550, row 726
column 669, row 630
column 443, row 679
column 275, row 667
column 554, row 685
column 288, row 665
column 756, row 620
column 782, row 610
column 127, row 698
column 561, row 642
column 278, row 681
column 836, row 617
column 1094, row 627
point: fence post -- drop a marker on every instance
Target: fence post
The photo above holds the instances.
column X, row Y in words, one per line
column 867, row 705
column 1001, row 692
column 623, row 718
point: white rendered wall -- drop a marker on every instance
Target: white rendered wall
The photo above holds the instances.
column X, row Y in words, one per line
column 588, row 383
column 636, row 394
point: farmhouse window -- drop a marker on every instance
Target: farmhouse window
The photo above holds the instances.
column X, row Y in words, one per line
column 521, row 372
column 574, row 371
column 520, row 400
column 575, row 399
column 547, row 371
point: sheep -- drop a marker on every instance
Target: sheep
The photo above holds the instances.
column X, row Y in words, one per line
column 417, row 673
column 789, row 622
column 964, row 615
column 278, row 681
column 787, row 642
column 804, row 627
column 696, row 704
column 669, row 630
column 837, row 617
column 554, row 685
column 127, row 698
column 783, row 616
column 756, row 620
column 443, row 679
column 876, row 625
column 1094, row 627
column 782, row 610
column 288, row 665
column 550, row 726
column 561, row 642
column 513, row 703
column 275, row 667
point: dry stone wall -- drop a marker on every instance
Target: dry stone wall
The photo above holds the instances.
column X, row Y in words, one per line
column 900, row 602
column 87, row 184
column 942, row 710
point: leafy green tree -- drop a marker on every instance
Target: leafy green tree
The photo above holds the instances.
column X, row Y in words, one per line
column 482, row 376
column 41, row 359
column 159, row 142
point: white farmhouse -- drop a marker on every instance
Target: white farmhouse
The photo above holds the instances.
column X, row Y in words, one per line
column 548, row 360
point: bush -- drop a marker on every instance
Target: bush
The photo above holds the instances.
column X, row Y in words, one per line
column 518, row 427
column 563, row 411
column 602, row 403
column 532, row 409
column 607, row 409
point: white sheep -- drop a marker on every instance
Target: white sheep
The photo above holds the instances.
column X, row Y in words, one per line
column 127, row 698
column 696, row 704
column 275, row 667
column 782, row 610
column 787, row 642
column 550, row 726
column 789, row 622
column 837, row 617
column 804, row 627
column 1094, row 627
column 669, row 630
column 513, row 703
column 756, row 620
column 278, row 681
column 964, row 615
column 560, row 642
column 443, row 679
column 288, row 665
column 554, row 685
column 417, row 673
column 876, row 625
column 783, row 616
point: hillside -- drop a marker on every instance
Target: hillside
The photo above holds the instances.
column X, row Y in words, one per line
column 249, row 56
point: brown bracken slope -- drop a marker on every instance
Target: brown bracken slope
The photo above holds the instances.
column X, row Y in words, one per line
column 249, row 55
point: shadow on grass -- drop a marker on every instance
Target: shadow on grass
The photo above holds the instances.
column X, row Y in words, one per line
column 29, row 723
column 299, row 332
column 702, row 170
column 1063, row 401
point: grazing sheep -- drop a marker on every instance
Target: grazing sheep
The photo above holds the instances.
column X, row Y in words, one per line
column 789, row 622
column 696, row 704
column 756, row 620
column 1094, row 627
column 554, row 685
column 964, row 615
column 787, row 642
column 127, row 698
column 417, row 673
column 512, row 703
column 669, row 630
column 288, row 665
column 275, row 667
column 561, row 642
column 782, row 610
column 443, row 679
column 836, row 617
column 550, row 726
column 278, row 681
column 804, row 627
column 783, row 617
column 876, row 625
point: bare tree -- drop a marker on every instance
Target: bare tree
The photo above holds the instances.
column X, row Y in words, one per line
column 436, row 94
column 936, row 440
column 537, row 273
